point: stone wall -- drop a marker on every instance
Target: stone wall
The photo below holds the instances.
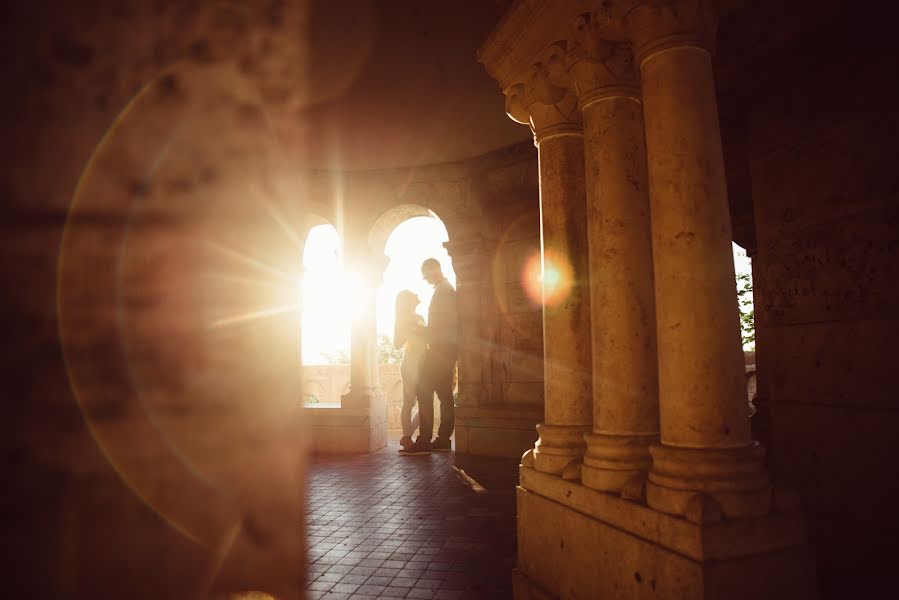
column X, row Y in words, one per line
column 328, row 382
column 499, row 409
column 811, row 123
column 516, row 357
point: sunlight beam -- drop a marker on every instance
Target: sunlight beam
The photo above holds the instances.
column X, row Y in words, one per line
column 278, row 218
column 243, row 280
column 249, row 260
column 252, row 316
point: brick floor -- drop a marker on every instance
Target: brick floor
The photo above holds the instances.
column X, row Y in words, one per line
column 384, row 525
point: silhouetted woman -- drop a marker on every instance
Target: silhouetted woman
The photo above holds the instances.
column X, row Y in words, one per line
column 409, row 334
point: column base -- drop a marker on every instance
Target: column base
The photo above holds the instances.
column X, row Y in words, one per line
column 501, row 431
column 360, row 428
column 611, row 461
column 576, row 542
column 560, row 449
column 709, row 484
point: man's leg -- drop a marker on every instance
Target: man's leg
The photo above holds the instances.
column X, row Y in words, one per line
column 444, row 389
column 426, row 400
column 425, row 413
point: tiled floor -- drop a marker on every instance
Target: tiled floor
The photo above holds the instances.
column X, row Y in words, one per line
column 389, row 526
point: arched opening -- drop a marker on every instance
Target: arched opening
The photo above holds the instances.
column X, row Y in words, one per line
column 407, row 235
column 327, row 305
column 325, row 302
column 407, row 246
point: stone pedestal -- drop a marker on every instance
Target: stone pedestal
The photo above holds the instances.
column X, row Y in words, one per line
column 347, row 430
column 575, row 542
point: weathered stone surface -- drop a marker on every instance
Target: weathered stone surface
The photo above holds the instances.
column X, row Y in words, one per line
column 823, row 188
column 553, row 539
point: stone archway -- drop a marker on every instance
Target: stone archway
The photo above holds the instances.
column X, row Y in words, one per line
column 384, row 225
column 404, row 235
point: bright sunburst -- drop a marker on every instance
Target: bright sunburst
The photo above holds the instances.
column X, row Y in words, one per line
column 329, row 298
column 330, row 295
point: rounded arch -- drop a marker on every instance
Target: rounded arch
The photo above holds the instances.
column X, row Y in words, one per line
column 405, row 235
column 390, row 219
column 309, row 222
column 324, row 301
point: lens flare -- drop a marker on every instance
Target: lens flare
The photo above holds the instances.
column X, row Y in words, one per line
column 549, row 281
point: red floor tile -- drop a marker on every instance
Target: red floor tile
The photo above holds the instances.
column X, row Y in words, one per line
column 390, row 526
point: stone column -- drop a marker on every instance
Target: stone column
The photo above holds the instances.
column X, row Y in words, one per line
column 707, row 464
column 372, row 326
column 622, row 303
column 364, row 380
column 552, row 113
column 471, row 262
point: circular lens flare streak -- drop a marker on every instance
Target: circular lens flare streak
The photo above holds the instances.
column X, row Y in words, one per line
column 547, row 282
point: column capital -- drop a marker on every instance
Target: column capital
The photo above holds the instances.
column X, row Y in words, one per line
column 545, row 98
column 600, row 67
column 657, row 25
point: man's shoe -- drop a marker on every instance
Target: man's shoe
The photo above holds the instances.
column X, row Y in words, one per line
column 419, row 447
column 442, row 445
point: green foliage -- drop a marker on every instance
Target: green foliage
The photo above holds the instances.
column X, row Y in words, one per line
column 311, row 399
column 387, row 353
column 747, row 310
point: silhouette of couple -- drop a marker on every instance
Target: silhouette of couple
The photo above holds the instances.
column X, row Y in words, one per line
column 429, row 359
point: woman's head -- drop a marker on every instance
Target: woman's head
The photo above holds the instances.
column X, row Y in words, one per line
column 406, row 301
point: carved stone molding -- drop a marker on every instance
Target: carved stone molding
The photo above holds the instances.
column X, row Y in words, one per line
column 650, row 25
column 545, row 99
column 514, row 44
column 657, row 25
column 598, row 67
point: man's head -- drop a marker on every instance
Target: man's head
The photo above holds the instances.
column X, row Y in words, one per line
column 430, row 270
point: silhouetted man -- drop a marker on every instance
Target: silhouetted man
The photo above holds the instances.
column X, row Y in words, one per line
column 442, row 335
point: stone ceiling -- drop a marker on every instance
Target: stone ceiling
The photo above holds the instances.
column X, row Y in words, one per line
column 398, row 83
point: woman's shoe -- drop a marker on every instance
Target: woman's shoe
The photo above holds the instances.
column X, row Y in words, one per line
column 406, row 442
